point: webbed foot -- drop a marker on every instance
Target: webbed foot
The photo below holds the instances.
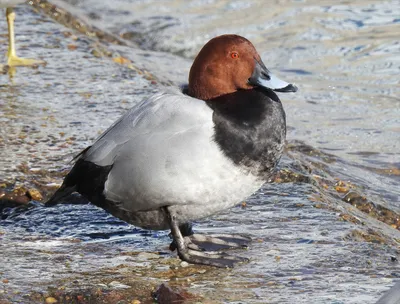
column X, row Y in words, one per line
column 222, row 260
column 205, row 249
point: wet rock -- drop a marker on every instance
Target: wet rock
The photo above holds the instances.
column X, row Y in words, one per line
column 51, row 300
column 121, row 60
column 165, row 295
column 72, row 47
column 377, row 211
column 370, row 236
column 118, row 285
column 184, row 264
column 288, row 176
column 17, row 197
column 62, row 16
column 142, row 256
column 343, row 187
column 14, row 198
column 34, row 194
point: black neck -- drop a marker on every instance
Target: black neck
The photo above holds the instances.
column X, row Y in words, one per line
column 250, row 128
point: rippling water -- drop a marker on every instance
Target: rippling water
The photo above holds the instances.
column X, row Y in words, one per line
column 343, row 55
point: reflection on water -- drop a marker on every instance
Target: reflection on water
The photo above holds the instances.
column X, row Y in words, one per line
column 83, row 222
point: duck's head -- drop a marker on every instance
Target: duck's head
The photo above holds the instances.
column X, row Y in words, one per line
column 229, row 63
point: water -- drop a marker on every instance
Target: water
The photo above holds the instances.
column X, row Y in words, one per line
column 345, row 58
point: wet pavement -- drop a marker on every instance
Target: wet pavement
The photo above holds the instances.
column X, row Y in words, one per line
column 327, row 230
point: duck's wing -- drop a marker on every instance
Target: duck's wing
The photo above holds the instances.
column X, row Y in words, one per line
column 163, row 115
column 168, row 112
column 392, row 296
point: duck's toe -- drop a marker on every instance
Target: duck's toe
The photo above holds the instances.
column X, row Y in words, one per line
column 222, row 260
column 213, row 243
column 217, row 242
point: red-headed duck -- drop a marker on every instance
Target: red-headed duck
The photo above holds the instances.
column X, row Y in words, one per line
column 175, row 157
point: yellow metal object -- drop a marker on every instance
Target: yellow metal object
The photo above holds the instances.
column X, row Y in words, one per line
column 13, row 60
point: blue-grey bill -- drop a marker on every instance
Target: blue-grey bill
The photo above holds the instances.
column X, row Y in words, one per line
column 263, row 77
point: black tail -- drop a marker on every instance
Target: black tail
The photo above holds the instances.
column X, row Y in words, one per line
column 69, row 185
column 86, row 178
column 60, row 194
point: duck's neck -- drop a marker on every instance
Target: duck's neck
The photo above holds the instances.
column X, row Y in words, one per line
column 250, row 128
column 208, row 91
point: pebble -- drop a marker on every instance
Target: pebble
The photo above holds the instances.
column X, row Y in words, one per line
column 102, row 285
column 184, row 264
column 147, row 256
column 51, row 300
column 118, row 285
column 35, row 194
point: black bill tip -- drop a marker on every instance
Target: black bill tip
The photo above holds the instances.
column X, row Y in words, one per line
column 288, row 88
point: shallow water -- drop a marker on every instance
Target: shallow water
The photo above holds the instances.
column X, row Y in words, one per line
column 344, row 57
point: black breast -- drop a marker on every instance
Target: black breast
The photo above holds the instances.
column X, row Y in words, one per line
column 250, row 128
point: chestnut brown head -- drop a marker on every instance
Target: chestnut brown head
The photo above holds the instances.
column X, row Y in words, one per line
column 229, row 63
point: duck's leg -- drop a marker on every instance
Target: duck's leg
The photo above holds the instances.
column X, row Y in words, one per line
column 192, row 253
column 13, row 59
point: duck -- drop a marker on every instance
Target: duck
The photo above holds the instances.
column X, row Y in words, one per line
column 12, row 59
column 185, row 154
column 392, row 296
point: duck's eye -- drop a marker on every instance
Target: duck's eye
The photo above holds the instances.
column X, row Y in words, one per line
column 235, row 55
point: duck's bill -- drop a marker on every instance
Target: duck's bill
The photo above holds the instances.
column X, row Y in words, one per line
column 264, row 78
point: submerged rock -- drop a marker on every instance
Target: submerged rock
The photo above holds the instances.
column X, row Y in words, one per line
column 165, row 295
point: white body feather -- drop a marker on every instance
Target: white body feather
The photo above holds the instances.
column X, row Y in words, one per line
column 163, row 154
